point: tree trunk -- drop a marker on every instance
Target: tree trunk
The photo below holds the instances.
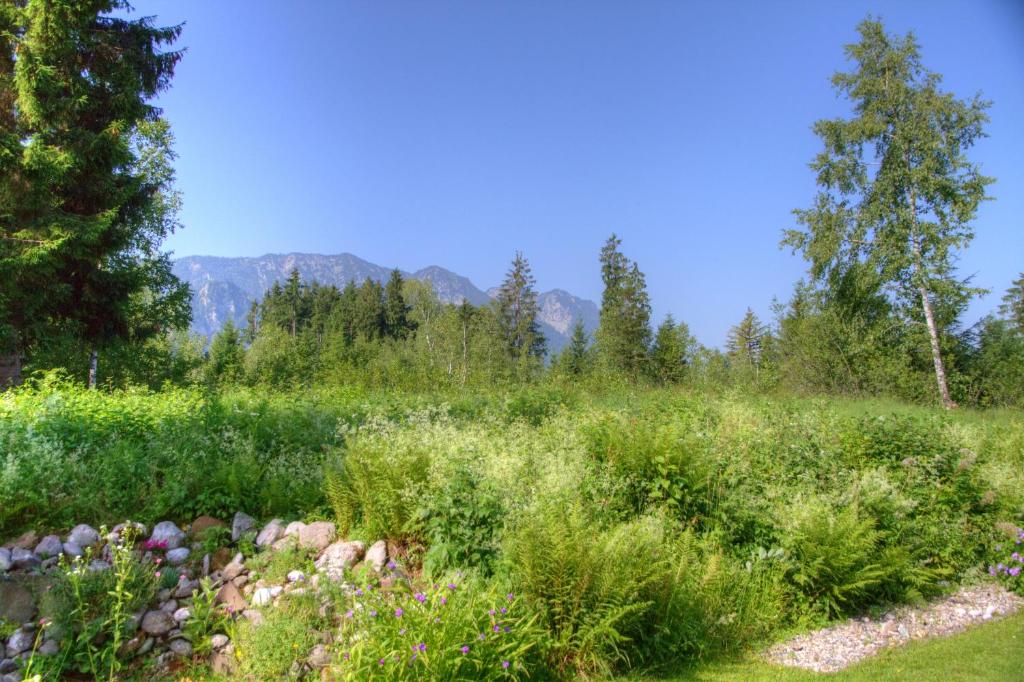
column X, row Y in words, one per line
column 93, row 362
column 10, row 370
column 933, row 336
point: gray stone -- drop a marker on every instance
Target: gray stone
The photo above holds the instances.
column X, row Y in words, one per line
column 146, row 647
column 5, row 560
column 219, row 641
column 181, row 615
column 185, row 589
column 240, row 525
column 24, row 558
column 231, row 598
column 317, row 535
column 157, row 622
column 377, row 555
column 16, row 603
column 253, row 616
column 169, row 606
column 49, row 546
column 48, row 648
column 222, row 663
column 72, row 550
column 176, row 557
column 339, row 556
column 319, row 657
column 296, row 576
column 271, row 533
column 233, row 569
column 83, row 535
column 7, row 665
column 180, row 647
column 167, row 532
column 12, row 677
column 262, row 597
column 18, row 642
column 293, row 529
column 122, row 530
column 99, row 565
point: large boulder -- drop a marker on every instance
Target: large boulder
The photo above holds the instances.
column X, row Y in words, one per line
column 317, row 535
column 24, row 558
column 377, row 555
column 157, row 622
column 339, row 556
column 167, row 532
column 231, row 597
column 5, row 560
column 26, row 540
column 83, row 535
column 240, row 525
column 49, row 546
column 176, row 557
column 271, row 533
column 16, row 603
column 20, row 641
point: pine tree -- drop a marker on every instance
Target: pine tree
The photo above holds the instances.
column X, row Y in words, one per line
column 745, row 342
column 898, row 192
column 624, row 334
column 396, row 312
column 577, row 355
column 672, row 350
column 516, row 308
column 1012, row 307
column 85, row 197
column 369, row 311
column 227, row 355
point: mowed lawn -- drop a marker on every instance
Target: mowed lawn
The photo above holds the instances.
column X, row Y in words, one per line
column 993, row 651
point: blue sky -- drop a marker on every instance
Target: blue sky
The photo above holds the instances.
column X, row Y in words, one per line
column 455, row 133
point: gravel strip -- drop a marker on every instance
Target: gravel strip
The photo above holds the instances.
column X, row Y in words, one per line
column 836, row 647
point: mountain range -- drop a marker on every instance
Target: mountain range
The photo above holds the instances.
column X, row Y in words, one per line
column 224, row 287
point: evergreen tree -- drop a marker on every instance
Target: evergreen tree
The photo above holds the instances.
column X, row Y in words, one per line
column 745, row 341
column 85, row 198
column 672, row 350
column 577, row 354
column 516, row 308
column 369, row 311
column 1012, row 307
column 624, row 334
column 396, row 312
column 227, row 356
column 252, row 322
column 898, row 191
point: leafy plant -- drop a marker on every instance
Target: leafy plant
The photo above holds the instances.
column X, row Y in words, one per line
column 207, row 618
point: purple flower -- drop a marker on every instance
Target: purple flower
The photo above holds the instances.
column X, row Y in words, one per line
column 359, row 592
column 381, row 662
column 508, row 629
column 349, row 613
column 392, row 565
column 422, row 647
column 1015, row 571
column 505, row 664
column 504, row 610
column 496, row 628
column 345, row 656
column 420, row 597
column 373, row 614
column 491, row 612
column 992, row 570
column 444, row 601
column 464, row 649
column 402, row 631
column 482, row 636
column 399, row 612
column 452, row 586
column 414, row 656
column 510, row 596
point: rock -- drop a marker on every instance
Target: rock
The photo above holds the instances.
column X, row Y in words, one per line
column 219, row 641
column 5, row 560
column 231, row 597
column 904, row 632
column 181, row 615
column 83, row 535
column 262, row 597
column 377, row 555
column 72, row 550
column 185, row 589
column 271, row 533
column 989, row 611
column 241, row 525
column 132, row 529
column 24, row 541
column 317, row 535
column 176, row 557
column 24, row 558
column 147, row 646
column 202, row 525
column 240, row 581
column 48, row 547
column 99, row 565
column 180, row 647
column 339, row 556
column 48, row 648
column 18, row 642
column 221, row 558
column 169, row 606
column 167, row 532
column 7, row 664
column 157, row 622
column 296, row 576
column 16, row 603
column 293, row 529
column 253, row 616
column 319, row 657
column 222, row 664
column 233, row 569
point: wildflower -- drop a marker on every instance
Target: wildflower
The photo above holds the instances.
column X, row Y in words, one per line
column 508, row 629
column 359, row 592
column 373, row 614
column 504, row 610
column 482, row 636
column 392, row 565
column 422, row 646
column 491, row 612
column 381, row 662
column 464, row 649
column 992, row 570
column 452, row 586
column 437, row 619
column 444, row 601
column 510, row 596
column 349, row 613
column 1015, row 571
column 402, row 631
column 414, row 657
column 496, row 628
column 420, row 597
column 157, row 574
column 505, row 664
column 399, row 612
column 345, row 656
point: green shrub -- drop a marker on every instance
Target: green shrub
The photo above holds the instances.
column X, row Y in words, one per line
column 374, row 487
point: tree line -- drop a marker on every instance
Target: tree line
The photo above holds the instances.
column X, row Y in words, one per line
column 87, row 198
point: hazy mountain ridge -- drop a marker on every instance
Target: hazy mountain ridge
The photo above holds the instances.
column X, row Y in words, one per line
column 224, row 287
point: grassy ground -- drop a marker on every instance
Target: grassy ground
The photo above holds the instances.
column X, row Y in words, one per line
column 994, row 651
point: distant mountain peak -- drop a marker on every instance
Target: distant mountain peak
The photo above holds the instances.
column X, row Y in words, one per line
column 224, row 287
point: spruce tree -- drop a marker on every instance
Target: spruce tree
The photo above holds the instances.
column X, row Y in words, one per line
column 624, row 334
column 81, row 220
column 745, row 342
column 227, row 354
column 1012, row 307
column 673, row 347
column 516, row 309
column 898, row 192
column 577, row 355
column 396, row 311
